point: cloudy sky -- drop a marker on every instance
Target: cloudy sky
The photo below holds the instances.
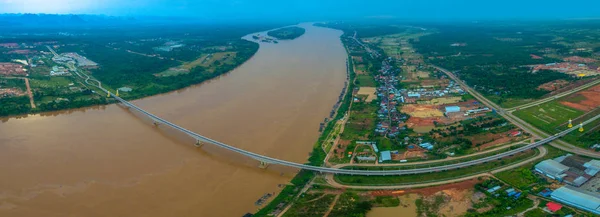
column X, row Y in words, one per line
column 317, row 9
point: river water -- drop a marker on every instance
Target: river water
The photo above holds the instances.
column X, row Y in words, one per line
column 108, row 161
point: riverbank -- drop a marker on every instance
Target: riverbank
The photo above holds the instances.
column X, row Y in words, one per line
column 271, row 105
column 317, row 156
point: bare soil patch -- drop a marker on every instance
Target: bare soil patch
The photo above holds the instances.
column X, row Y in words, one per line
column 553, row 85
column 422, row 111
column 369, row 92
column 586, row 100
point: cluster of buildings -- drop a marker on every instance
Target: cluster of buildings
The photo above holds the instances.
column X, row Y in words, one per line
column 585, row 200
column 9, row 45
column 511, row 192
column 561, row 67
column 74, row 58
column 430, row 93
column 12, row 69
column 389, row 116
column 577, row 59
column 426, row 145
column 169, row 46
column 569, row 169
column 10, row 92
column 81, row 60
column 575, row 172
column 58, row 71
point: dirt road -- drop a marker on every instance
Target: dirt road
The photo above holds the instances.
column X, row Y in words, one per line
column 29, row 93
column 332, row 205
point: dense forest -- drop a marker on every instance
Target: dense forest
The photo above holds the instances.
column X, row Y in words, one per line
column 494, row 59
column 287, row 33
column 128, row 57
column 14, row 105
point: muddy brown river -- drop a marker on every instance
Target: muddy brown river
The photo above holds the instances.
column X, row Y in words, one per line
column 108, row 161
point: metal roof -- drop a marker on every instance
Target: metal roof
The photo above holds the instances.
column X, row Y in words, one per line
column 551, row 167
column 582, row 199
column 593, row 164
column 385, row 155
column 452, row 109
column 579, row 181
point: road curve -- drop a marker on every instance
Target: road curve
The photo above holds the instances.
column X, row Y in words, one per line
column 430, row 161
column 518, row 122
column 271, row 160
column 331, row 181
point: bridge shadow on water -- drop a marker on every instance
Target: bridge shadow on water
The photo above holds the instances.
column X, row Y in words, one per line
column 210, row 151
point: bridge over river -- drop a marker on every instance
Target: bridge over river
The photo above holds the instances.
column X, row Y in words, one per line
column 265, row 160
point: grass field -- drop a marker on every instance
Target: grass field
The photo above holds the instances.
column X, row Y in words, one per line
column 13, row 83
column 523, row 177
column 365, row 81
column 51, row 82
column 311, row 205
column 361, row 68
column 197, row 62
column 436, row 176
column 205, row 60
column 361, row 121
column 508, row 102
column 587, row 138
column 548, row 116
column 395, row 45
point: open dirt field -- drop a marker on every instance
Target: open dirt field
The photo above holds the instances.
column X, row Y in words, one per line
column 458, row 204
column 428, row 191
column 407, row 208
column 422, row 74
column 584, row 73
column 369, row 91
column 435, row 82
column 553, row 85
column 10, row 92
column 413, row 122
column 443, row 100
column 340, row 147
column 586, row 100
column 422, row 111
column 12, row 69
column 360, row 69
column 497, row 141
column 417, row 153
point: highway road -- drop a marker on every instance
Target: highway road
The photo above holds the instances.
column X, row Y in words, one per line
column 574, row 90
column 331, row 180
column 518, row 122
column 430, row 161
column 269, row 160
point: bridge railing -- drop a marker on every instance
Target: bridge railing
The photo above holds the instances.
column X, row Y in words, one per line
column 271, row 160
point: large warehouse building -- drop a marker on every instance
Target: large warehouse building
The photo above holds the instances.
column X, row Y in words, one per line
column 585, row 200
column 552, row 169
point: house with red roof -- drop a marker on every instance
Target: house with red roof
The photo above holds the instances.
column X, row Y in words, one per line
column 553, row 207
column 515, row 133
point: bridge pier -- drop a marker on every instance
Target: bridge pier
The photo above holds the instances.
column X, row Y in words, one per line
column 263, row 165
column 199, row 144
